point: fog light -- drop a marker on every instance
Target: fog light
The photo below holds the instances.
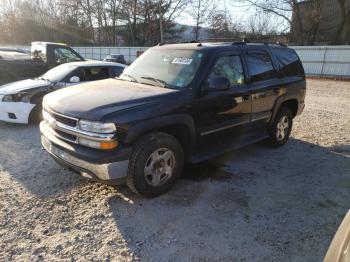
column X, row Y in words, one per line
column 12, row 116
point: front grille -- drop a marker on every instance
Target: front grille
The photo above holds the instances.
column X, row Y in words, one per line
column 55, row 120
column 65, row 120
column 66, row 136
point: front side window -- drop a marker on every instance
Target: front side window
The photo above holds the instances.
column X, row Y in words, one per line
column 229, row 67
column 92, row 74
column 65, row 55
column 260, row 66
column 166, row 68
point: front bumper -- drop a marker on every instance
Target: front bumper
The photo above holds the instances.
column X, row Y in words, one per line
column 20, row 110
column 91, row 163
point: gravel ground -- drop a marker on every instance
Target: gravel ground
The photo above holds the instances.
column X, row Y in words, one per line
column 256, row 204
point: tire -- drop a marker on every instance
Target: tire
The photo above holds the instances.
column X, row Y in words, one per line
column 36, row 116
column 156, row 158
column 280, row 129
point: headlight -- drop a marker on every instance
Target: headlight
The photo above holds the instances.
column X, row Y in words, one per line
column 20, row 97
column 97, row 127
column 8, row 98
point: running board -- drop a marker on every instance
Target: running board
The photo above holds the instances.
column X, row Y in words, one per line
column 203, row 154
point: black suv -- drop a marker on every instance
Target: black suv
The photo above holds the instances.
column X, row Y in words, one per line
column 175, row 104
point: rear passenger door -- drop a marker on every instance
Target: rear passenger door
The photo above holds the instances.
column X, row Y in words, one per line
column 264, row 82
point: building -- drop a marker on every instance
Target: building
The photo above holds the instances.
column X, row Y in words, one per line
column 321, row 22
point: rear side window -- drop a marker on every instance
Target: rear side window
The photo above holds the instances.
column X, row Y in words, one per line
column 260, row 66
column 288, row 62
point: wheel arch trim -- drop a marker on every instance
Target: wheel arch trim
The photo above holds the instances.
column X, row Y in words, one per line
column 137, row 130
column 280, row 101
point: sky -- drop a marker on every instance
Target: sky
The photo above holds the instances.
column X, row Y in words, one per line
column 238, row 13
column 241, row 15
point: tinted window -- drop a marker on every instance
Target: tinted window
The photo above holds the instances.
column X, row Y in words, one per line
column 229, row 67
column 92, row 74
column 117, row 56
column 288, row 62
column 260, row 66
column 116, row 71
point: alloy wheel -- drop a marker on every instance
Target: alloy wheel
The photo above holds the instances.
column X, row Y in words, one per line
column 159, row 166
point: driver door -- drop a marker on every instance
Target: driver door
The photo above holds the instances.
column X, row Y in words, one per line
column 223, row 111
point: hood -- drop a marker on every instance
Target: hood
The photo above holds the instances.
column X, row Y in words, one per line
column 94, row 100
column 16, row 87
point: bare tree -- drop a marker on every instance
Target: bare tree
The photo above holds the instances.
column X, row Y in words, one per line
column 221, row 24
column 200, row 11
column 343, row 33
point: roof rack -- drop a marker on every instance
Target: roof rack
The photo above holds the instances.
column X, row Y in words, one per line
column 246, row 41
column 233, row 41
column 240, row 41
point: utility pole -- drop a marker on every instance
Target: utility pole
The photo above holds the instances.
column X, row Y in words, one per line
column 161, row 21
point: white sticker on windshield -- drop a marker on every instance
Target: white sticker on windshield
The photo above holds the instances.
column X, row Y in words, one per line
column 182, row 61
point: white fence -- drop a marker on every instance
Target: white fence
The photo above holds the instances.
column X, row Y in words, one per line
column 329, row 61
column 99, row 53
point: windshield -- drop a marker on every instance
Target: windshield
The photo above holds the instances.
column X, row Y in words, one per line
column 65, row 55
column 58, row 73
column 166, row 68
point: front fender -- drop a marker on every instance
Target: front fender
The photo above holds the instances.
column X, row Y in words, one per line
column 143, row 127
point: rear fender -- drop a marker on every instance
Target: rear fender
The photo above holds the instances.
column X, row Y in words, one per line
column 279, row 102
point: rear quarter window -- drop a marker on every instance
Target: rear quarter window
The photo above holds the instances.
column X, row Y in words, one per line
column 288, row 62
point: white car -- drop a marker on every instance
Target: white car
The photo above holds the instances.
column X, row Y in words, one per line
column 20, row 102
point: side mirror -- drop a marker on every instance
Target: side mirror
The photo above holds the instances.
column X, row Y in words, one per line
column 218, row 84
column 74, row 79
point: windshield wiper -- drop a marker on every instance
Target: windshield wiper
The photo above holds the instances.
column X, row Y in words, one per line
column 160, row 82
column 132, row 78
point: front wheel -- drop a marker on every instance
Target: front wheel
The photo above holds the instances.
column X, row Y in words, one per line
column 155, row 164
column 280, row 128
column 36, row 116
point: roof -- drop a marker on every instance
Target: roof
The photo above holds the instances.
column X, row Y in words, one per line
column 213, row 46
column 48, row 43
column 95, row 63
column 198, row 46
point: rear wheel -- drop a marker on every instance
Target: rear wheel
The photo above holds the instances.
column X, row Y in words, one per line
column 281, row 127
column 155, row 164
